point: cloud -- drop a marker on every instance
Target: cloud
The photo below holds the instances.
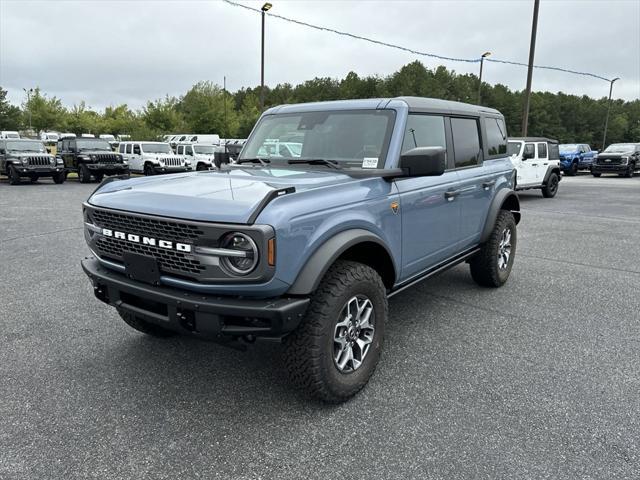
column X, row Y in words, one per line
column 112, row 52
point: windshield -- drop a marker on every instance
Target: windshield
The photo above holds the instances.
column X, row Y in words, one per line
column 513, row 148
column 88, row 144
column 356, row 138
column 156, row 148
column 571, row 147
column 52, row 136
column 108, row 138
column 204, row 149
column 26, row 146
column 620, row 147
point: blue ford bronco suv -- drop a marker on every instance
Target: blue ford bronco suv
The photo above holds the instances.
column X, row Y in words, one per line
column 369, row 198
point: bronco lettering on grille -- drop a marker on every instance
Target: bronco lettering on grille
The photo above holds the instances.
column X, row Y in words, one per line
column 130, row 237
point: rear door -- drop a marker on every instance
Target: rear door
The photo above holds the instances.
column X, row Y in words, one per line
column 430, row 218
column 477, row 174
column 542, row 162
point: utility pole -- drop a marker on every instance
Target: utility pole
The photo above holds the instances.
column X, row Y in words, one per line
column 265, row 8
column 29, row 92
column 224, row 98
column 606, row 121
column 532, row 50
column 484, row 55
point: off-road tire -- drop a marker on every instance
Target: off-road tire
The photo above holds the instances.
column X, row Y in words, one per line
column 596, row 174
column 98, row 177
column 148, row 170
column 630, row 171
column 484, row 266
column 59, row 177
column 201, row 166
column 551, row 188
column 309, row 350
column 84, row 175
column 573, row 170
column 14, row 176
column 144, row 326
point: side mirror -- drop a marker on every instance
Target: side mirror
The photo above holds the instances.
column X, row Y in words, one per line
column 424, row 162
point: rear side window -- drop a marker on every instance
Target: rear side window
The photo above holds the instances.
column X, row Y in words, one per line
column 554, row 151
column 496, row 136
column 424, row 131
column 129, row 148
column 542, row 150
column 466, row 142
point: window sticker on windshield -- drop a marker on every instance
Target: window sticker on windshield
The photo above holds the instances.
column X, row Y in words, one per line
column 369, row 162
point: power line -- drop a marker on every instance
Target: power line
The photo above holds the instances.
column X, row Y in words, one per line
column 409, row 50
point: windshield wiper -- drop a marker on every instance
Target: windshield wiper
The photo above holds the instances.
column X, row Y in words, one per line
column 316, row 161
column 263, row 162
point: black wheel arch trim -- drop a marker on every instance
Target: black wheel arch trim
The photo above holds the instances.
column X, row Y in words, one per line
column 503, row 197
column 317, row 265
column 551, row 169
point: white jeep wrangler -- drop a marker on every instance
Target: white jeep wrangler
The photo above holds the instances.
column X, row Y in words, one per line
column 151, row 158
column 537, row 163
column 202, row 156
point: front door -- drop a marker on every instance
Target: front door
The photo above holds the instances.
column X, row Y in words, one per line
column 528, row 168
column 430, row 213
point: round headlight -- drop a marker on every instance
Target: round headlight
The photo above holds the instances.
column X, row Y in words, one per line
column 247, row 258
column 52, row 161
column 25, row 160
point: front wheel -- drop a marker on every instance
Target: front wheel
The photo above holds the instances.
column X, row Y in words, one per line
column 84, row 175
column 551, row 188
column 201, row 166
column 336, row 348
column 595, row 174
column 14, row 176
column 59, row 177
column 148, row 170
column 630, row 172
column 492, row 266
column 573, row 170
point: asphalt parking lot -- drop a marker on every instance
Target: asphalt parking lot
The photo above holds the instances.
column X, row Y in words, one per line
column 538, row 379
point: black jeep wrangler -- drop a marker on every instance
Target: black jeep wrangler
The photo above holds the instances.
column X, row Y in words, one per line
column 28, row 158
column 90, row 157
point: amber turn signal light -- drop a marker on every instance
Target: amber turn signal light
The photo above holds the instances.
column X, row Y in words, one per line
column 271, row 252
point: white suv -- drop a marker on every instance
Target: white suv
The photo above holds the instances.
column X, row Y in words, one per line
column 202, row 156
column 153, row 157
column 537, row 162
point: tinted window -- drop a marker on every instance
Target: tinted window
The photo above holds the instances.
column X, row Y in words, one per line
column 129, row 148
column 121, row 148
column 542, row 150
column 496, row 136
column 529, row 151
column 424, row 131
column 466, row 141
column 554, row 151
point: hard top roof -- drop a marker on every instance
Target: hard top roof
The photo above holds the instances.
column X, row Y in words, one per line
column 534, row 139
column 417, row 104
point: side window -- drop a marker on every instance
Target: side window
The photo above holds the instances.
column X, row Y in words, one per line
column 188, row 150
column 121, row 148
column 179, row 149
column 424, row 131
column 466, row 142
column 496, row 136
column 554, row 151
column 136, row 149
column 128, row 148
column 542, row 150
column 529, row 151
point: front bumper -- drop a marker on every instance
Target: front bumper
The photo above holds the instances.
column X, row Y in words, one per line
column 171, row 169
column 206, row 316
column 604, row 168
column 39, row 170
column 108, row 168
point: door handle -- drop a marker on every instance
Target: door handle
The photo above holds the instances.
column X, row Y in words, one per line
column 451, row 194
column 488, row 185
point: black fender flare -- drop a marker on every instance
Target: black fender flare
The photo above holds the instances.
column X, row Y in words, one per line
column 317, row 265
column 551, row 169
column 506, row 198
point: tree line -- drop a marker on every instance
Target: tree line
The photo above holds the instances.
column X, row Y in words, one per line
column 207, row 108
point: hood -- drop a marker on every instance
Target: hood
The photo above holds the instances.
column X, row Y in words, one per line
column 28, row 154
column 615, row 154
column 96, row 152
column 229, row 196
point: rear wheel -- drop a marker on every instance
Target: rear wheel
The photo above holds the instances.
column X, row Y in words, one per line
column 551, row 188
column 336, row 348
column 14, row 176
column 144, row 326
column 492, row 266
column 84, row 175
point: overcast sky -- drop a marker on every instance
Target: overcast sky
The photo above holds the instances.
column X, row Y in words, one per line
column 112, row 52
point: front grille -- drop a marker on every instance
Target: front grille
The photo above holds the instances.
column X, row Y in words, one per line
column 172, row 162
column 169, row 261
column 107, row 158
column 39, row 160
column 609, row 161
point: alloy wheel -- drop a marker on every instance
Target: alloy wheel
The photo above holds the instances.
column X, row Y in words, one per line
column 504, row 249
column 353, row 334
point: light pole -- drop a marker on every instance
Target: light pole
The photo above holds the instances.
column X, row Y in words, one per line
column 29, row 92
column 606, row 120
column 532, row 51
column 484, row 55
column 265, row 8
